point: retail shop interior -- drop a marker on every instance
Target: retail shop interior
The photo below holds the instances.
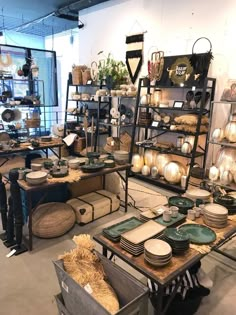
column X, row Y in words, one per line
column 117, row 158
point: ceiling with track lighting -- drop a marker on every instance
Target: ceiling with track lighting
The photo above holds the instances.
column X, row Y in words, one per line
column 43, row 17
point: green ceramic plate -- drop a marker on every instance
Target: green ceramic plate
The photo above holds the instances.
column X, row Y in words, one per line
column 180, row 218
column 176, row 235
column 115, row 231
column 92, row 168
column 182, row 203
column 199, row 234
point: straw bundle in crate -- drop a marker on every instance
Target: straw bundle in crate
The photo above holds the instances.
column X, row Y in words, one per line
column 77, row 74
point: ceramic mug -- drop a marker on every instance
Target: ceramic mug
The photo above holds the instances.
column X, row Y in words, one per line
column 167, row 215
column 198, row 211
column 174, row 211
column 191, row 214
column 202, row 207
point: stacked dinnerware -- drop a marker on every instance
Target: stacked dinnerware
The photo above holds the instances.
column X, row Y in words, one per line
column 215, row 215
column 157, row 252
column 133, row 241
column 177, row 239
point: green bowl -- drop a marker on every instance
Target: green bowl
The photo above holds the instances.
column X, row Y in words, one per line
column 182, row 203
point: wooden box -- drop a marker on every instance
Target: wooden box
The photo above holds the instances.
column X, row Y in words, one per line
column 94, row 205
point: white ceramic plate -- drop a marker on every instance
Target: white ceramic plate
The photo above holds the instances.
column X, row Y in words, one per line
column 216, row 209
column 144, row 232
column 157, row 247
column 197, row 193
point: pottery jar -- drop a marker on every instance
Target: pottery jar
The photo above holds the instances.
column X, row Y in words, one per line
column 146, row 170
column 218, row 134
column 186, row 148
column 173, row 171
column 230, row 131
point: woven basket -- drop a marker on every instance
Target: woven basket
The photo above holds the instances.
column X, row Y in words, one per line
column 77, row 74
column 52, row 219
column 86, row 75
column 79, row 144
column 125, row 141
column 32, row 123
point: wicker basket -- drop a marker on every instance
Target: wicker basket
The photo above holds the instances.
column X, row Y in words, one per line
column 77, row 74
column 79, row 144
column 32, row 123
column 125, row 141
column 86, row 75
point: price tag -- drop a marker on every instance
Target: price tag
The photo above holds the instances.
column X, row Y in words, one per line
column 88, row 288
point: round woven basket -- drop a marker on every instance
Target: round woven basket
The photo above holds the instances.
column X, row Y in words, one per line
column 52, row 219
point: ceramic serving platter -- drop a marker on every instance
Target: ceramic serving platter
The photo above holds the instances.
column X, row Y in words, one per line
column 157, row 247
column 198, row 233
column 176, row 235
column 115, row 230
column 143, row 232
column 173, row 221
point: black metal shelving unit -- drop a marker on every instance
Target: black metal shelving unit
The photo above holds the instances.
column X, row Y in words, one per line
column 99, row 105
column 208, row 85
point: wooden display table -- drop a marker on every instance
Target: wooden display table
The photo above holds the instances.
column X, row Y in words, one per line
column 43, row 146
column 74, row 176
column 163, row 276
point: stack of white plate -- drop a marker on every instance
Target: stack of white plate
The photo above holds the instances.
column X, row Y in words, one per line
column 157, row 252
column 197, row 193
column 133, row 241
column 215, row 215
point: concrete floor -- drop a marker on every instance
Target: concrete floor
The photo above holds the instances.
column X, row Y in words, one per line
column 28, row 282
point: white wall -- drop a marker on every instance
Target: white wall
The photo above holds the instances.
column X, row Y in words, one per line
column 172, row 26
column 67, row 51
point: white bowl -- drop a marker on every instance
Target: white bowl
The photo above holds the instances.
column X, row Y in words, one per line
column 74, row 164
column 36, row 178
column 36, row 166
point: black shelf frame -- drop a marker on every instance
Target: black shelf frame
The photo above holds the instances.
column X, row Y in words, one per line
column 101, row 104
column 208, row 85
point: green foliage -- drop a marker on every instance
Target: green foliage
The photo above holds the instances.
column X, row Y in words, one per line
column 111, row 68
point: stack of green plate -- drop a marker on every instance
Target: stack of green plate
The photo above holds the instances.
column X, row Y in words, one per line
column 177, row 239
column 114, row 232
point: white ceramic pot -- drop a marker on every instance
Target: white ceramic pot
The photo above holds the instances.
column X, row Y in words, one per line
column 154, row 172
column 225, row 159
column 186, row 147
column 190, row 139
column 213, row 173
column 173, row 171
column 150, row 157
column 146, row 170
column 161, row 161
column 230, row 131
column 218, row 134
column 226, row 178
column 137, row 163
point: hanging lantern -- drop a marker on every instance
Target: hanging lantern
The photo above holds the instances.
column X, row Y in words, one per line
column 137, row 163
column 213, row 173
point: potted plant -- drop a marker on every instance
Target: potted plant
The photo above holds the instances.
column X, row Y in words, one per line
column 112, row 71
